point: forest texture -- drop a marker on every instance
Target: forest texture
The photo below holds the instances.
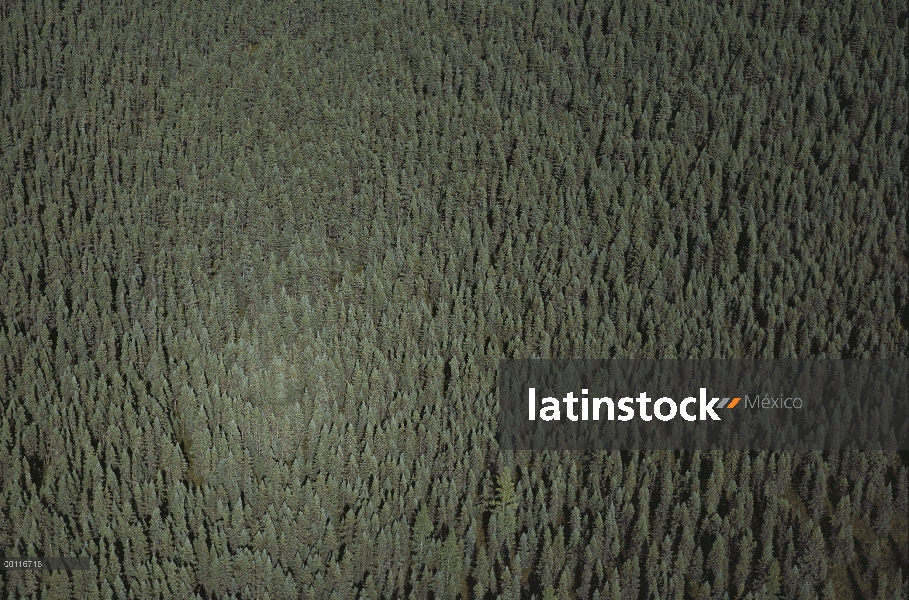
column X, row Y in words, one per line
column 259, row 262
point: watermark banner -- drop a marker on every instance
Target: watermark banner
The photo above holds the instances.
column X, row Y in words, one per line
column 710, row 404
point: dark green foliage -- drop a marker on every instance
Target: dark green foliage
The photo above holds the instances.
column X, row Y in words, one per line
column 259, row 261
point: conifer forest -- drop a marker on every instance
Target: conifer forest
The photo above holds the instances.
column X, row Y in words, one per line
column 259, row 262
